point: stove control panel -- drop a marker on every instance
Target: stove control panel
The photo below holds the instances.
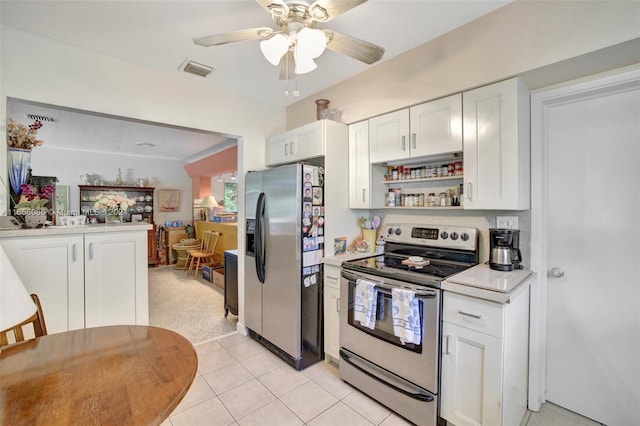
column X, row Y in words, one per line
column 459, row 237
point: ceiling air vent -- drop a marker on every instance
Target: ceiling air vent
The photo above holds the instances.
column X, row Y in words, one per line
column 196, row 68
column 41, row 117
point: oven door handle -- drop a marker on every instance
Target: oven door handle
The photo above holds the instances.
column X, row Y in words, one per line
column 419, row 294
column 419, row 396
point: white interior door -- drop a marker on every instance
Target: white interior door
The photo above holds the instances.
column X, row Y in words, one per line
column 592, row 143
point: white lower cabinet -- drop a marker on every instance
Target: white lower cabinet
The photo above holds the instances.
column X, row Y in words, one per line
column 53, row 268
column 332, row 312
column 85, row 279
column 115, row 281
column 484, row 360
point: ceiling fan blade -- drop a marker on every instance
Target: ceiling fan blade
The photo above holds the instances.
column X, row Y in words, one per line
column 275, row 7
column 326, row 10
column 351, row 46
column 233, row 36
column 287, row 62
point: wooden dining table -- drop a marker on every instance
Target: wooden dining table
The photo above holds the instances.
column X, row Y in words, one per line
column 113, row 375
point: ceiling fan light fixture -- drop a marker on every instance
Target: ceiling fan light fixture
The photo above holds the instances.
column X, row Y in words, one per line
column 275, row 48
column 304, row 64
column 312, row 42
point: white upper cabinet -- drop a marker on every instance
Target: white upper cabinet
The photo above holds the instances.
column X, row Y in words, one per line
column 359, row 166
column 302, row 143
column 496, row 147
column 389, row 137
column 428, row 129
column 436, row 127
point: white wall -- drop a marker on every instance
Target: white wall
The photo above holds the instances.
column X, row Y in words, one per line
column 543, row 41
column 38, row 69
column 513, row 40
column 42, row 70
column 67, row 166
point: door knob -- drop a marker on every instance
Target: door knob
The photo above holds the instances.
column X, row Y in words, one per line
column 555, row 272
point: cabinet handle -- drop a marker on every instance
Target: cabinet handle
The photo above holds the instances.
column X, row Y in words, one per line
column 467, row 314
column 338, row 304
column 413, row 140
column 286, row 149
column 446, row 345
column 469, row 189
column 291, row 146
column 74, row 252
column 403, row 143
column 90, row 251
column 364, row 194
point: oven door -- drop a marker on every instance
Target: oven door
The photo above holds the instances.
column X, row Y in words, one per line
column 418, row 364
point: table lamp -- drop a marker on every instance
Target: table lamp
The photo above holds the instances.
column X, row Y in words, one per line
column 209, row 202
column 15, row 302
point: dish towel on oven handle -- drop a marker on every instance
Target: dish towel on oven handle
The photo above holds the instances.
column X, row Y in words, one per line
column 365, row 306
column 406, row 316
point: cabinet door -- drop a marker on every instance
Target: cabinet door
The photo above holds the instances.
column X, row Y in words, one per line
column 389, row 137
column 471, row 377
column 359, row 166
column 436, row 127
column 308, row 141
column 116, row 278
column 52, row 267
column 496, row 147
column 332, row 311
column 280, row 149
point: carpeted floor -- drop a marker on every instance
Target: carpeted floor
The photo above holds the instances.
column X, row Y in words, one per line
column 191, row 307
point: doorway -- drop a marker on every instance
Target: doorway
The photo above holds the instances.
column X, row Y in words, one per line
column 586, row 247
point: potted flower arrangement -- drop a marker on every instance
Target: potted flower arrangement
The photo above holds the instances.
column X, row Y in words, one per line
column 32, row 204
column 113, row 204
column 20, row 140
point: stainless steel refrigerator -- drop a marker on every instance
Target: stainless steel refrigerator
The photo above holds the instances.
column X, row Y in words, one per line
column 283, row 280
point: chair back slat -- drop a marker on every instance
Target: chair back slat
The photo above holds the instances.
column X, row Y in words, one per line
column 37, row 321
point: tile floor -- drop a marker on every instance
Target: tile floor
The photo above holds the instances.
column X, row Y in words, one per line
column 239, row 382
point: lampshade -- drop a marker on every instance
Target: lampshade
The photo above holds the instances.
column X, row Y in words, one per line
column 310, row 44
column 311, row 41
column 15, row 303
column 209, row 201
column 275, row 48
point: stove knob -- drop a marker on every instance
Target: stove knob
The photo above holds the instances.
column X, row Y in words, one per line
column 444, row 235
column 454, row 236
column 390, row 231
column 464, row 236
column 398, row 231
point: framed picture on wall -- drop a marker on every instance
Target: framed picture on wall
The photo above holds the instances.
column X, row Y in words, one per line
column 62, row 200
column 169, row 200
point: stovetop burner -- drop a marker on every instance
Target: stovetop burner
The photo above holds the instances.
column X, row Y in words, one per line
column 445, row 254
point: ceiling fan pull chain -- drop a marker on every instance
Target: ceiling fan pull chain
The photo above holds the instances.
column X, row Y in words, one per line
column 296, row 92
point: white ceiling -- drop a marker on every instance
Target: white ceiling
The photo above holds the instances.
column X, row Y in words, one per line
column 159, row 34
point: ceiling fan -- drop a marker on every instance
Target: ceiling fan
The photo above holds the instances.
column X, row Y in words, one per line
column 297, row 42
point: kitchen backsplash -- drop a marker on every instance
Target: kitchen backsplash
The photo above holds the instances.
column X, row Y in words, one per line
column 479, row 219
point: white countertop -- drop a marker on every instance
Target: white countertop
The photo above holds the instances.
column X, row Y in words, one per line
column 67, row 230
column 338, row 259
column 483, row 282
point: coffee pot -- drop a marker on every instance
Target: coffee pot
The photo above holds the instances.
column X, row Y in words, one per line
column 504, row 250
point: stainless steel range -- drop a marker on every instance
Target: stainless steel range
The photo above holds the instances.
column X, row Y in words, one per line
column 400, row 373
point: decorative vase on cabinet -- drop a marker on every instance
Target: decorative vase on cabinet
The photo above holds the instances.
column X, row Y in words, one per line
column 34, row 218
column 114, row 218
column 19, row 165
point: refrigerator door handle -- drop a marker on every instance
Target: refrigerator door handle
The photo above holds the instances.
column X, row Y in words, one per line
column 259, row 238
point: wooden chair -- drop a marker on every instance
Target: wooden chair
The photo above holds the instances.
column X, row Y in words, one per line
column 204, row 256
column 206, row 235
column 37, row 319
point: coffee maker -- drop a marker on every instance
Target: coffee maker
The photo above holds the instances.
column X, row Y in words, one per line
column 504, row 249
